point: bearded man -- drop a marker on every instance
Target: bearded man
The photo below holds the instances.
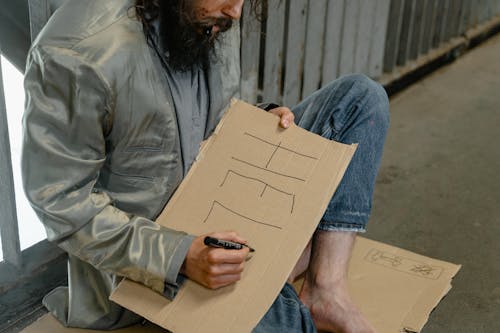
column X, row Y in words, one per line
column 120, row 94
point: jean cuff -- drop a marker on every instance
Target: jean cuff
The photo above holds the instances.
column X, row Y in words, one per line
column 341, row 226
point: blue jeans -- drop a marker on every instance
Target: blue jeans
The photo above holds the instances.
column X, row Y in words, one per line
column 351, row 109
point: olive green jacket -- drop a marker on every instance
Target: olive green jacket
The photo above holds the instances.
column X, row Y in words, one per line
column 101, row 154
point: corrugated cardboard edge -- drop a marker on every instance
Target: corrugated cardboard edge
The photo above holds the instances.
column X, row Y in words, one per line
column 421, row 310
column 419, row 314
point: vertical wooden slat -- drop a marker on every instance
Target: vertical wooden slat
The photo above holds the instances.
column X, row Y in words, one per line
column 429, row 24
column 349, row 36
column 250, row 52
column 453, row 17
column 487, row 10
column 491, row 9
column 440, row 21
column 378, row 44
column 364, row 35
column 444, row 21
column 416, row 35
column 296, row 35
column 315, row 37
column 406, row 32
column 333, row 39
column 273, row 64
column 39, row 12
column 449, row 21
column 458, row 18
column 464, row 16
column 9, row 230
column 393, row 34
column 470, row 15
column 474, row 14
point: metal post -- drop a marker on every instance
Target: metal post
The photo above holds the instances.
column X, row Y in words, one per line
column 9, row 230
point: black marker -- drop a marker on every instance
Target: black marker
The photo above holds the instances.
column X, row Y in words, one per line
column 228, row 245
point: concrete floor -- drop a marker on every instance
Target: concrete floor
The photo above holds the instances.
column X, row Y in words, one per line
column 438, row 190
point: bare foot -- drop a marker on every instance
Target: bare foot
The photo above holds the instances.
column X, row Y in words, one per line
column 333, row 310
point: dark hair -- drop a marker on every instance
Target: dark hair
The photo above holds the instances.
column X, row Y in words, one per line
column 148, row 10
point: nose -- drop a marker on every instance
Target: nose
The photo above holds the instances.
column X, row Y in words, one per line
column 233, row 9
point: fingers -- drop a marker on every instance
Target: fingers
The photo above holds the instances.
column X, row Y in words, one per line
column 287, row 117
column 223, row 256
column 225, row 269
column 215, row 267
column 216, row 282
column 229, row 235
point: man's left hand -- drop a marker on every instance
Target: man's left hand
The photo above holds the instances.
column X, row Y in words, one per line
column 286, row 116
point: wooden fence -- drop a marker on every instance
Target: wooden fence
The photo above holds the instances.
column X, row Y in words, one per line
column 298, row 46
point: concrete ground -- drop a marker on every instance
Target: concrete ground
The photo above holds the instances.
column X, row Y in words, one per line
column 438, row 190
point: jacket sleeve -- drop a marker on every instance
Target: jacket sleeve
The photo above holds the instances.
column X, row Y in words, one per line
column 68, row 110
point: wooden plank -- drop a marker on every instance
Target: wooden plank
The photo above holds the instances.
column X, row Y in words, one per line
column 429, row 24
column 464, row 16
column 250, row 53
column 39, row 13
column 453, row 17
column 333, row 40
column 473, row 15
column 274, row 48
column 22, row 289
column 296, row 36
column 449, row 21
column 349, row 36
column 418, row 24
column 484, row 10
column 366, row 22
column 315, row 38
column 9, row 231
column 460, row 17
column 444, row 22
column 468, row 19
column 440, row 23
column 376, row 61
column 491, row 9
column 393, row 34
column 406, row 32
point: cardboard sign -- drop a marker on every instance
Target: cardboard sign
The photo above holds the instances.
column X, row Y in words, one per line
column 269, row 184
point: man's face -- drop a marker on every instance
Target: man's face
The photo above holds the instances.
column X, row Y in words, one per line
column 216, row 15
column 189, row 28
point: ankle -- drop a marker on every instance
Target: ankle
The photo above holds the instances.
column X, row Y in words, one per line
column 324, row 282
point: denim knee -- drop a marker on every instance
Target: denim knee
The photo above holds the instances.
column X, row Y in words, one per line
column 367, row 92
column 360, row 116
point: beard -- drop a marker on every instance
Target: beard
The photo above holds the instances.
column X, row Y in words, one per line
column 185, row 40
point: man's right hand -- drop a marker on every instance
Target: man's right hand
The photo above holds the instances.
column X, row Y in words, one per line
column 215, row 267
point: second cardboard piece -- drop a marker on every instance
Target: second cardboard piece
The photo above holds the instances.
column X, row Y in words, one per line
column 269, row 184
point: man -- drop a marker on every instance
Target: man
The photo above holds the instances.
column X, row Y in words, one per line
column 119, row 96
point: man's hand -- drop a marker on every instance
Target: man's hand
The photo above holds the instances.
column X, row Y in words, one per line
column 287, row 117
column 215, row 267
